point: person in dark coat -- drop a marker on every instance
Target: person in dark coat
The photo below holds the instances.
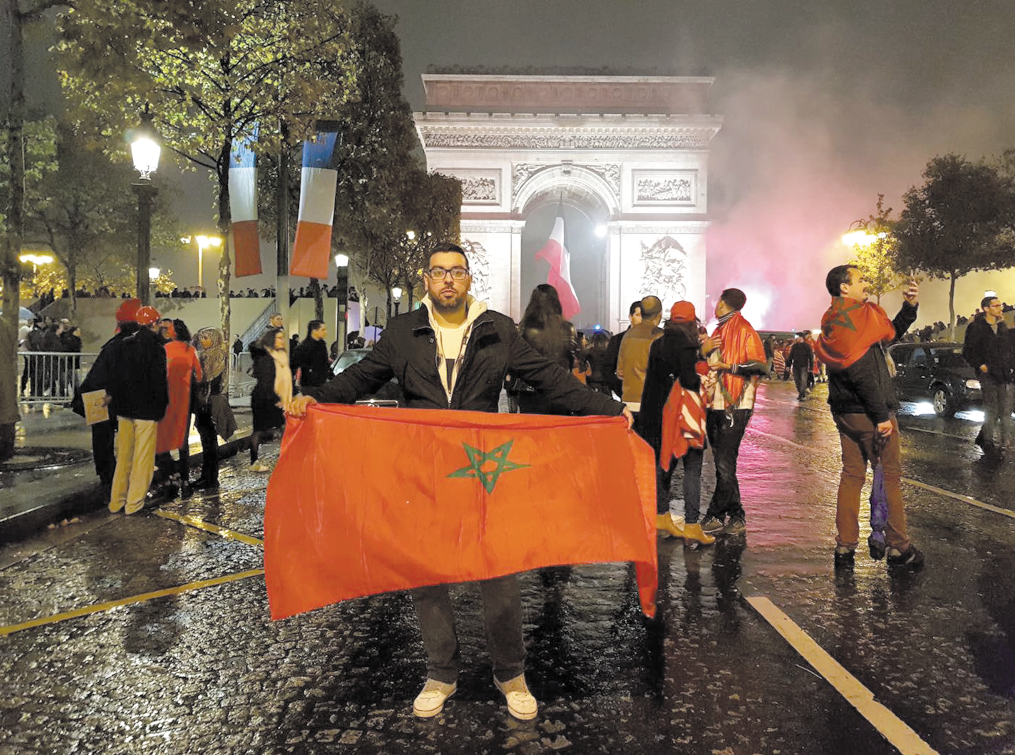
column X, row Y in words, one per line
column 673, row 358
column 136, row 384
column 989, row 349
column 473, row 348
column 274, row 388
column 602, row 375
column 237, row 350
column 801, row 360
column 211, row 353
column 544, row 328
column 613, row 350
column 310, row 358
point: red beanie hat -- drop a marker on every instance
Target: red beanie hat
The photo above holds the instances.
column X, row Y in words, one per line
column 146, row 316
column 128, row 311
column 683, row 311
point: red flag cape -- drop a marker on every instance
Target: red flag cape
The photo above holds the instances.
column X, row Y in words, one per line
column 683, row 421
column 365, row 500
column 848, row 329
column 740, row 343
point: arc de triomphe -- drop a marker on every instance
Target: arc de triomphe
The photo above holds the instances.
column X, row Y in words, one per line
column 628, row 153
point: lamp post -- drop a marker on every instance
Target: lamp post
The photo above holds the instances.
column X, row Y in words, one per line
column 396, row 294
column 203, row 242
column 342, row 305
column 145, row 150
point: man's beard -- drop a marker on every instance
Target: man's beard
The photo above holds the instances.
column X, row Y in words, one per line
column 450, row 305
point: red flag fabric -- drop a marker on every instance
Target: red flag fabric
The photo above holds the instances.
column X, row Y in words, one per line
column 243, row 205
column 848, row 328
column 365, row 500
column 559, row 276
column 683, row 421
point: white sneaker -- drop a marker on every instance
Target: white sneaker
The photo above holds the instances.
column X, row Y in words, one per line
column 259, row 467
column 430, row 701
column 520, row 702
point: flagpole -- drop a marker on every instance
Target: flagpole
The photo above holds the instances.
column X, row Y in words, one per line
column 282, row 230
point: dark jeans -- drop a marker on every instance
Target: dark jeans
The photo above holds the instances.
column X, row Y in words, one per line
column 725, row 432
column 502, row 615
column 103, row 440
column 209, row 446
column 997, row 406
column 691, row 485
column 801, row 376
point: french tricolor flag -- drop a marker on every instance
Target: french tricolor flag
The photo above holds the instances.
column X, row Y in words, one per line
column 559, row 276
column 243, row 205
column 312, row 249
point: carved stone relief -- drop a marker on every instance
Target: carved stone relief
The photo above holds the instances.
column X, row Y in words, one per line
column 479, row 264
column 479, row 186
column 522, row 172
column 539, row 139
column 664, row 270
column 665, row 187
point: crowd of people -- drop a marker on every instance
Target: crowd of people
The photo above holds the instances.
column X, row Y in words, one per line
column 685, row 391
column 45, row 371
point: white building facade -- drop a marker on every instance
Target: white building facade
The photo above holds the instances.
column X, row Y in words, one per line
column 627, row 155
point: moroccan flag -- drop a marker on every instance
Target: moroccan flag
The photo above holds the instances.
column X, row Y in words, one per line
column 312, row 248
column 365, row 500
column 243, row 205
column 559, row 277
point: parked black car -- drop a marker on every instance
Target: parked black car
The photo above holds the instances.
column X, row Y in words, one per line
column 389, row 392
column 936, row 371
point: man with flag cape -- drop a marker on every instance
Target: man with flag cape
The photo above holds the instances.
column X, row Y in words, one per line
column 467, row 501
column 854, row 334
column 736, row 359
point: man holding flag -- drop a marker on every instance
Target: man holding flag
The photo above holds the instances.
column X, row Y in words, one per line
column 453, row 353
column 854, row 333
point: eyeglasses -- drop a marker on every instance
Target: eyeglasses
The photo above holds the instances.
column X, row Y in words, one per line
column 439, row 273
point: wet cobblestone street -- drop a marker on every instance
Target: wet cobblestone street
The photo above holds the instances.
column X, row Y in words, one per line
column 200, row 668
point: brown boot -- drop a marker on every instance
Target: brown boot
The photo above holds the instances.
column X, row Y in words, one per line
column 694, row 532
column 665, row 523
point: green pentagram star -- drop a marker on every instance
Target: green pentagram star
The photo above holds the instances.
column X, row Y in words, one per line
column 477, row 458
column 840, row 315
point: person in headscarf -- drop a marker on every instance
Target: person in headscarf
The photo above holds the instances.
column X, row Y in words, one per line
column 183, row 367
column 274, row 389
column 211, row 352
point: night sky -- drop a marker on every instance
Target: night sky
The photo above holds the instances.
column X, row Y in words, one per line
column 826, row 105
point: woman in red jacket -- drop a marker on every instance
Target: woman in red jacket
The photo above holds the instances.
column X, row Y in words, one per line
column 182, row 366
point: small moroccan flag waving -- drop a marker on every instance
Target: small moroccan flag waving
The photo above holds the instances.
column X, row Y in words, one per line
column 318, row 182
column 555, row 252
column 366, row 500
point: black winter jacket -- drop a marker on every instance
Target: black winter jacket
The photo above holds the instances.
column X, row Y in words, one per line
column 135, row 376
column 407, row 350
column 996, row 350
column 311, row 358
column 671, row 357
column 865, row 387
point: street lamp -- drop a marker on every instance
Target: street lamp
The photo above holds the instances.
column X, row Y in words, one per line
column 35, row 260
column 396, row 294
column 342, row 305
column 203, row 242
column 145, row 150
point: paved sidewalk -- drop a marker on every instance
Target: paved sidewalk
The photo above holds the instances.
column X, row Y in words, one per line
column 52, row 478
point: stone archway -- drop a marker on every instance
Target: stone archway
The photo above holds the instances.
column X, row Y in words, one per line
column 629, row 153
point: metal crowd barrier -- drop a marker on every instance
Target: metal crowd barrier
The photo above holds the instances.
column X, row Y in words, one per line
column 51, row 377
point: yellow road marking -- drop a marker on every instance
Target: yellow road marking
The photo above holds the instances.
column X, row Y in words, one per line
column 88, row 610
column 891, row 727
column 193, row 521
column 960, row 497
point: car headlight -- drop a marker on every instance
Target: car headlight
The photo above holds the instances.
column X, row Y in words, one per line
column 974, row 384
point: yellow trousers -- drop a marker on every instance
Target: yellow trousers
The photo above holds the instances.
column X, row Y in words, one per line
column 135, row 462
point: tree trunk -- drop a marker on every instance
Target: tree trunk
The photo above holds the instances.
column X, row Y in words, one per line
column 951, row 305
column 315, row 288
column 11, row 19
column 225, row 270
